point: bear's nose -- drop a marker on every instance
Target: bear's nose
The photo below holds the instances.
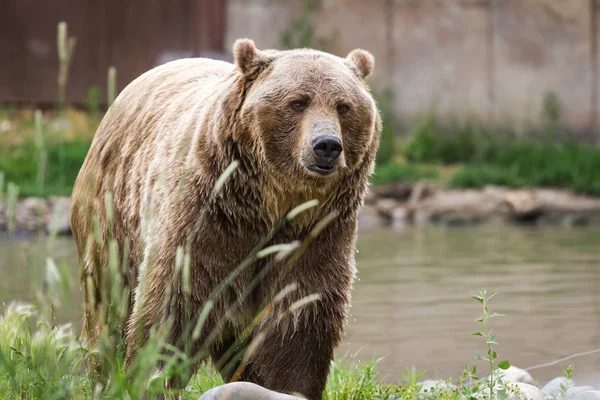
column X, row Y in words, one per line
column 327, row 148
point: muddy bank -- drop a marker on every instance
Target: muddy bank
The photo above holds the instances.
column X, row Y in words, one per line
column 399, row 205
column 394, row 205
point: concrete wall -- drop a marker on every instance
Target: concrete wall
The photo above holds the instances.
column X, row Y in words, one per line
column 495, row 59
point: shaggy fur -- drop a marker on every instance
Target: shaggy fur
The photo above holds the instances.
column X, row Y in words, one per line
column 160, row 150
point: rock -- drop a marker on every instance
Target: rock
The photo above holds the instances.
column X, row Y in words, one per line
column 588, row 395
column 523, row 205
column 471, row 205
column 5, row 126
column 435, row 386
column 575, row 392
column 396, row 191
column 369, row 218
column 525, row 391
column 400, row 217
column 58, row 219
column 562, row 206
column 516, row 375
column 420, row 192
column 422, row 217
column 497, row 191
column 244, row 391
column 30, row 213
column 554, row 386
column 565, row 200
column 453, row 219
column 386, row 206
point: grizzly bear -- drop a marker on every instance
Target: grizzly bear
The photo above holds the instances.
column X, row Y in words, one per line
column 301, row 125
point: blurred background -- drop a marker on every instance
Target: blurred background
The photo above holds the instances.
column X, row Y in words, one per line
column 488, row 175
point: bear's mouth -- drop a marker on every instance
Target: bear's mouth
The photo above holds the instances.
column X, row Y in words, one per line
column 322, row 169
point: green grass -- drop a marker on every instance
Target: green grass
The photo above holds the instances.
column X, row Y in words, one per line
column 42, row 153
column 542, row 158
column 42, row 361
column 20, row 165
column 39, row 360
column 569, row 165
column 404, row 172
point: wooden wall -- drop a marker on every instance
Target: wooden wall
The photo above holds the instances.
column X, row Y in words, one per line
column 132, row 35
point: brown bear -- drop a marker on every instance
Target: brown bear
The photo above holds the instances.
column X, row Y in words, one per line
column 302, row 125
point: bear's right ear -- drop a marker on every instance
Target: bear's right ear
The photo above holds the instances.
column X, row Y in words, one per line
column 363, row 61
column 247, row 57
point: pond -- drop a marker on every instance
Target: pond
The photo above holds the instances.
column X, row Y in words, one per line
column 412, row 299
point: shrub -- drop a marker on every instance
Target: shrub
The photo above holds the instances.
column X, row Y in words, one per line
column 63, row 161
column 387, row 146
column 538, row 159
column 412, row 173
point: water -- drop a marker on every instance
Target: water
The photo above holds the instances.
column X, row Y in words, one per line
column 411, row 300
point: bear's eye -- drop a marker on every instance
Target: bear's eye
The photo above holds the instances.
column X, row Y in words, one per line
column 299, row 105
column 343, row 109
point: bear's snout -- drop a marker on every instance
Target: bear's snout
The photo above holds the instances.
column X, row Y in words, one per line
column 327, row 150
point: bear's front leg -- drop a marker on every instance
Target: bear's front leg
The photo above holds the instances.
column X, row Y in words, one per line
column 295, row 342
column 295, row 349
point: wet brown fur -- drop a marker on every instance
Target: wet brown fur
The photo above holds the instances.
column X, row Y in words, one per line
column 160, row 150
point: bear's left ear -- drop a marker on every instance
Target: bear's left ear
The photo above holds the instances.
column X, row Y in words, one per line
column 247, row 57
column 363, row 61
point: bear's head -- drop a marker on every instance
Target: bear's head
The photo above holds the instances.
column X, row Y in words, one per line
column 308, row 114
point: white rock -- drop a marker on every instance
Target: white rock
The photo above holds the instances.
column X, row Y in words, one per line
column 58, row 220
column 5, row 125
column 525, row 391
column 515, row 375
column 369, row 218
column 574, row 392
column 244, row 391
column 400, row 217
column 587, row 395
column 554, row 386
column 386, row 206
column 29, row 213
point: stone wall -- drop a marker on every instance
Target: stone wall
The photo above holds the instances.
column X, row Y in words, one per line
column 495, row 59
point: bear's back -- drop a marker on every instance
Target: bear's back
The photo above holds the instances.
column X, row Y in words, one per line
column 151, row 122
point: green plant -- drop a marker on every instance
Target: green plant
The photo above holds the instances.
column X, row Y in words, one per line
column 1, row 187
column 500, row 157
column 36, row 168
column 40, row 147
column 423, row 142
column 387, row 146
column 403, row 172
column 551, row 114
column 361, row 382
column 66, row 47
column 494, row 383
column 565, row 385
column 92, row 101
column 478, row 176
column 112, row 86
column 12, row 194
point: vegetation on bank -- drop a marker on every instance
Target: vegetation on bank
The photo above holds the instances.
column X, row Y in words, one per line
column 41, row 360
column 43, row 158
column 43, row 152
column 470, row 156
